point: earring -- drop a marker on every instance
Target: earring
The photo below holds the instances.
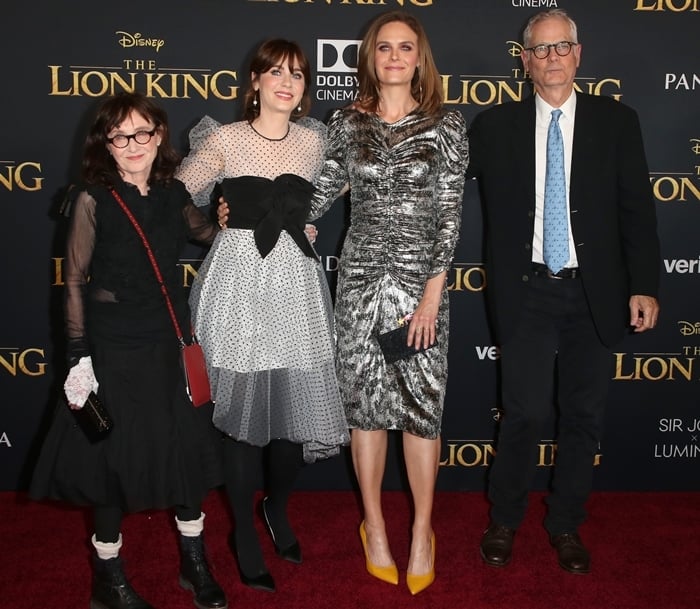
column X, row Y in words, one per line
column 420, row 85
column 299, row 108
column 255, row 100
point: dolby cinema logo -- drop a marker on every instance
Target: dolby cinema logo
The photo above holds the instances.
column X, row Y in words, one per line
column 336, row 55
column 336, row 69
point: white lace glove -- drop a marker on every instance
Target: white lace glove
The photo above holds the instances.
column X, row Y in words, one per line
column 80, row 382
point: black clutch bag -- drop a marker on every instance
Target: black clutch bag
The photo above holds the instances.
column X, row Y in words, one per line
column 394, row 347
column 93, row 419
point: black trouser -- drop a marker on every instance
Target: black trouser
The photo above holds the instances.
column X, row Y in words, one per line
column 555, row 339
column 108, row 520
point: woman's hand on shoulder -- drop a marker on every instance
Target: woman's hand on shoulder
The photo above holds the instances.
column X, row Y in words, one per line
column 222, row 213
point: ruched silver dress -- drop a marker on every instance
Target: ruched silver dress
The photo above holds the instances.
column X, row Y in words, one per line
column 406, row 183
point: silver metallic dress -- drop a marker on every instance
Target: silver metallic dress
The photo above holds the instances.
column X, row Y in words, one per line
column 406, row 182
column 260, row 302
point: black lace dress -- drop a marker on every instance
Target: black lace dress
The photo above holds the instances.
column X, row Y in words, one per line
column 162, row 451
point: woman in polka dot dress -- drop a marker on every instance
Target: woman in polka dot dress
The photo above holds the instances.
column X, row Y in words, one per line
column 261, row 304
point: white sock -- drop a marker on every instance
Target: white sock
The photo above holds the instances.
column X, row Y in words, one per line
column 190, row 528
column 106, row 550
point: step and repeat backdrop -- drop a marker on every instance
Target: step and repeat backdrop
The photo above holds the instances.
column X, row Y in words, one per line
column 60, row 58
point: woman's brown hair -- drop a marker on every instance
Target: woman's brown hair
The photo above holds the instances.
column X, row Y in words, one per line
column 273, row 53
column 426, row 86
column 99, row 166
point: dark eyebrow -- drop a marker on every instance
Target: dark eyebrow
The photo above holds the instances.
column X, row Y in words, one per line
column 400, row 42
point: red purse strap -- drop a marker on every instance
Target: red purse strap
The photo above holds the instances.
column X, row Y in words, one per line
column 154, row 263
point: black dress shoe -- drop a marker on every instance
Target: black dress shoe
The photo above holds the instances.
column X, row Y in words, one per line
column 292, row 552
column 262, row 580
column 572, row 554
column 497, row 545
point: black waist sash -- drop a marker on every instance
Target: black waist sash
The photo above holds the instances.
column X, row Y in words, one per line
column 268, row 207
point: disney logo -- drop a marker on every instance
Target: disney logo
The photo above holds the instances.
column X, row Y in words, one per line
column 687, row 328
column 695, row 146
column 516, row 49
column 128, row 41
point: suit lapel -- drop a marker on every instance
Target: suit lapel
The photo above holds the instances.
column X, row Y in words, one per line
column 583, row 148
column 524, row 142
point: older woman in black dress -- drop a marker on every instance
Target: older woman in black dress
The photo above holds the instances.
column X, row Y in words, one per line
column 162, row 452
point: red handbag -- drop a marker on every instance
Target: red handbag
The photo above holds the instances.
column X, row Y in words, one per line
column 192, row 357
column 195, row 369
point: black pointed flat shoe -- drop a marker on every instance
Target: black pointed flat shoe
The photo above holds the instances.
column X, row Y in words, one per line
column 262, row 582
column 292, row 552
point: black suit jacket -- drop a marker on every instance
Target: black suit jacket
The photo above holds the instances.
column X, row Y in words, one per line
column 612, row 211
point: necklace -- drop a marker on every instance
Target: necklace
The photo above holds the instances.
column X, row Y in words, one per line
column 270, row 139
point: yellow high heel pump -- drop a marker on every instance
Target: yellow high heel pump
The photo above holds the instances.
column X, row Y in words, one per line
column 388, row 574
column 417, row 583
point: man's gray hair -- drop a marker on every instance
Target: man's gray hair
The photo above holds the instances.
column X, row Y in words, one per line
column 559, row 13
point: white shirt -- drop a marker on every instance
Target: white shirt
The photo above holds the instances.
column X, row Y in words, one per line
column 566, row 125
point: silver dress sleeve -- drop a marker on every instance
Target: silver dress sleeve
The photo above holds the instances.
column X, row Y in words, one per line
column 334, row 173
column 454, row 149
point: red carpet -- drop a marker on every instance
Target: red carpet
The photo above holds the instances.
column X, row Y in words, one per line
column 645, row 549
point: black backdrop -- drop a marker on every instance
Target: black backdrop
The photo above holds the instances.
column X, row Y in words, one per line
column 58, row 58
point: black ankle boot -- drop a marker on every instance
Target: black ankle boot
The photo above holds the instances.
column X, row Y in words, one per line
column 196, row 576
column 110, row 588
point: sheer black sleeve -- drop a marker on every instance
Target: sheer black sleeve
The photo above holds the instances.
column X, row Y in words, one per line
column 200, row 227
column 79, row 250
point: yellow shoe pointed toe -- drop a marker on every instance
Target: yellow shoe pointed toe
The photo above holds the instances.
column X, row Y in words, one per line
column 388, row 574
column 418, row 583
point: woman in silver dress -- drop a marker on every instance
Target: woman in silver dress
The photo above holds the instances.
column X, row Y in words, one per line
column 404, row 157
column 261, row 306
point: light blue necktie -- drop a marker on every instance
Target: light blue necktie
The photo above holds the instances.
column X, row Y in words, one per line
column 556, row 226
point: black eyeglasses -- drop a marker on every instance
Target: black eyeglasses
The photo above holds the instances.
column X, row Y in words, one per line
column 140, row 137
column 563, row 48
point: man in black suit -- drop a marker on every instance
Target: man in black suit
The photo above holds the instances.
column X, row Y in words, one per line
column 556, row 326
